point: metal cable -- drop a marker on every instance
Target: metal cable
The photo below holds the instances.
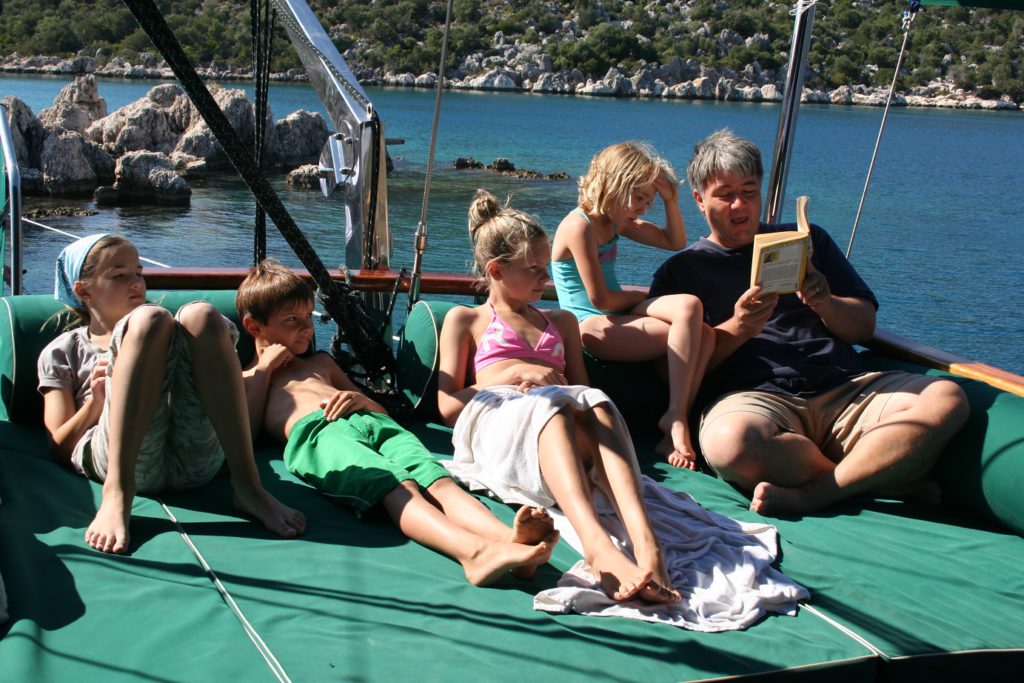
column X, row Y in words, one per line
column 420, row 241
column 376, row 362
column 908, row 19
column 75, row 237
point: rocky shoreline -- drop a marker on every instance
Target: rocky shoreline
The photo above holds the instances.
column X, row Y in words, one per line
column 526, row 68
column 146, row 151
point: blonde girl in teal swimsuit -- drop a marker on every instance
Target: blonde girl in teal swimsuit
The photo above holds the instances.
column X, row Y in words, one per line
column 620, row 325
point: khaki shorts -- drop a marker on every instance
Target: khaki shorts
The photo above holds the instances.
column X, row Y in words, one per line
column 180, row 448
column 834, row 420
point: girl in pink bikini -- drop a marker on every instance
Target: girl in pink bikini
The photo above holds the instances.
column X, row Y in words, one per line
column 513, row 384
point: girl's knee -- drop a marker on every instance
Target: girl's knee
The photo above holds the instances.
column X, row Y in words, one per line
column 690, row 306
column 199, row 316
column 149, row 321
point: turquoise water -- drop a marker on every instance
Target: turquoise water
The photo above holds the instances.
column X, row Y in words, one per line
column 940, row 240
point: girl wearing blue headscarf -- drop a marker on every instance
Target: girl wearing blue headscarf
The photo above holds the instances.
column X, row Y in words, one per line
column 142, row 401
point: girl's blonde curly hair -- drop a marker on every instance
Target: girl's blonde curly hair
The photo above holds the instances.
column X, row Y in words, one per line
column 616, row 171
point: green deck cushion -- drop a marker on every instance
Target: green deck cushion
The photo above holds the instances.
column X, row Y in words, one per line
column 27, row 325
column 350, row 600
column 79, row 616
column 982, row 469
column 899, row 592
column 937, row 595
column 635, row 387
column 417, row 356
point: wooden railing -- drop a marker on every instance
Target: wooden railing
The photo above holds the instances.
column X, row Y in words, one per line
column 884, row 342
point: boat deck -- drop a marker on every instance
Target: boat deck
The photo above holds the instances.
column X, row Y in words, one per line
column 899, row 591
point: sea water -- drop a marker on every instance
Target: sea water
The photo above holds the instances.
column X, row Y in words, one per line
column 940, row 240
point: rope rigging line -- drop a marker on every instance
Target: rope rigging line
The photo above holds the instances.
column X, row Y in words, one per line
column 376, row 363
column 908, row 20
column 420, row 240
column 261, row 19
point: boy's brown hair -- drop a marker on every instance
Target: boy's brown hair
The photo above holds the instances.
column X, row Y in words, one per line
column 270, row 287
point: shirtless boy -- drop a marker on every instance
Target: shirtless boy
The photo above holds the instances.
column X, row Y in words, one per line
column 345, row 445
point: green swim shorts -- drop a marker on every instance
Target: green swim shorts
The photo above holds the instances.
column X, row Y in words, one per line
column 359, row 459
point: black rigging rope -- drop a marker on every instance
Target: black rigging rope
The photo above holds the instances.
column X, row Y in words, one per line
column 261, row 20
column 376, row 364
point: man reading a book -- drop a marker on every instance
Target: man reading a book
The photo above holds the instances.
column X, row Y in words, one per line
column 792, row 416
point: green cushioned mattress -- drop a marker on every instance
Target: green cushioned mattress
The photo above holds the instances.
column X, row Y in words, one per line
column 899, row 592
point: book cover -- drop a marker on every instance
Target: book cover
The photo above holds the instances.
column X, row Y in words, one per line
column 780, row 258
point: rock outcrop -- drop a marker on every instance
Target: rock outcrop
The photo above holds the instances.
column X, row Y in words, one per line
column 71, row 165
column 513, row 65
column 76, row 107
column 75, row 146
column 145, row 177
column 306, row 177
column 300, row 137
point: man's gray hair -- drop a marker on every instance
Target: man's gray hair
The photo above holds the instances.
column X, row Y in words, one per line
column 722, row 152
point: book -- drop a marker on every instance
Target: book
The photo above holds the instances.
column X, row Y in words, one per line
column 780, row 258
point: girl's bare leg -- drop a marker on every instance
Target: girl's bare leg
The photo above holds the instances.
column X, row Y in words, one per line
column 689, row 344
column 618, row 475
column 218, row 380
column 667, row 327
column 483, row 560
column 563, row 470
column 135, row 387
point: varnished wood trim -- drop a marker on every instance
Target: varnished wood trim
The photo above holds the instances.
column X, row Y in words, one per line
column 894, row 345
column 463, row 284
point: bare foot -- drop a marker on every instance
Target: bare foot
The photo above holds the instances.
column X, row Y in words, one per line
column 497, row 558
column 531, row 526
column 653, row 591
column 659, row 588
column 620, row 578
column 108, row 531
column 279, row 518
column 676, row 445
column 769, row 499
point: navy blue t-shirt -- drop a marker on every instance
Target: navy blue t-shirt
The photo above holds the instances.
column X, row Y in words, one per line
column 795, row 353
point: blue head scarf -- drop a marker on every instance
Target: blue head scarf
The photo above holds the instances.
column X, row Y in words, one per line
column 69, row 268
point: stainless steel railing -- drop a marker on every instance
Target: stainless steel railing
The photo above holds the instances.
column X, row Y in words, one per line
column 12, row 202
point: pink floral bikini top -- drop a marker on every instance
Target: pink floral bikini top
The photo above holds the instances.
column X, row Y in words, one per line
column 501, row 342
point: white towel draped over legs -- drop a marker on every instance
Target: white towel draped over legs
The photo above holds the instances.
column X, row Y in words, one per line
column 496, row 438
column 721, row 566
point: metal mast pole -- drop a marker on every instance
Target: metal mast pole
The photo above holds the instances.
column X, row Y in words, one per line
column 801, row 45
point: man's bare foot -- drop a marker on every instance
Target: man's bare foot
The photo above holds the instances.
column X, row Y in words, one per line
column 279, row 518
column 497, row 558
column 531, row 526
column 108, row 531
column 769, row 499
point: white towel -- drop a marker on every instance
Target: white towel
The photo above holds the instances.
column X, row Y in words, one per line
column 496, row 436
column 721, row 566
